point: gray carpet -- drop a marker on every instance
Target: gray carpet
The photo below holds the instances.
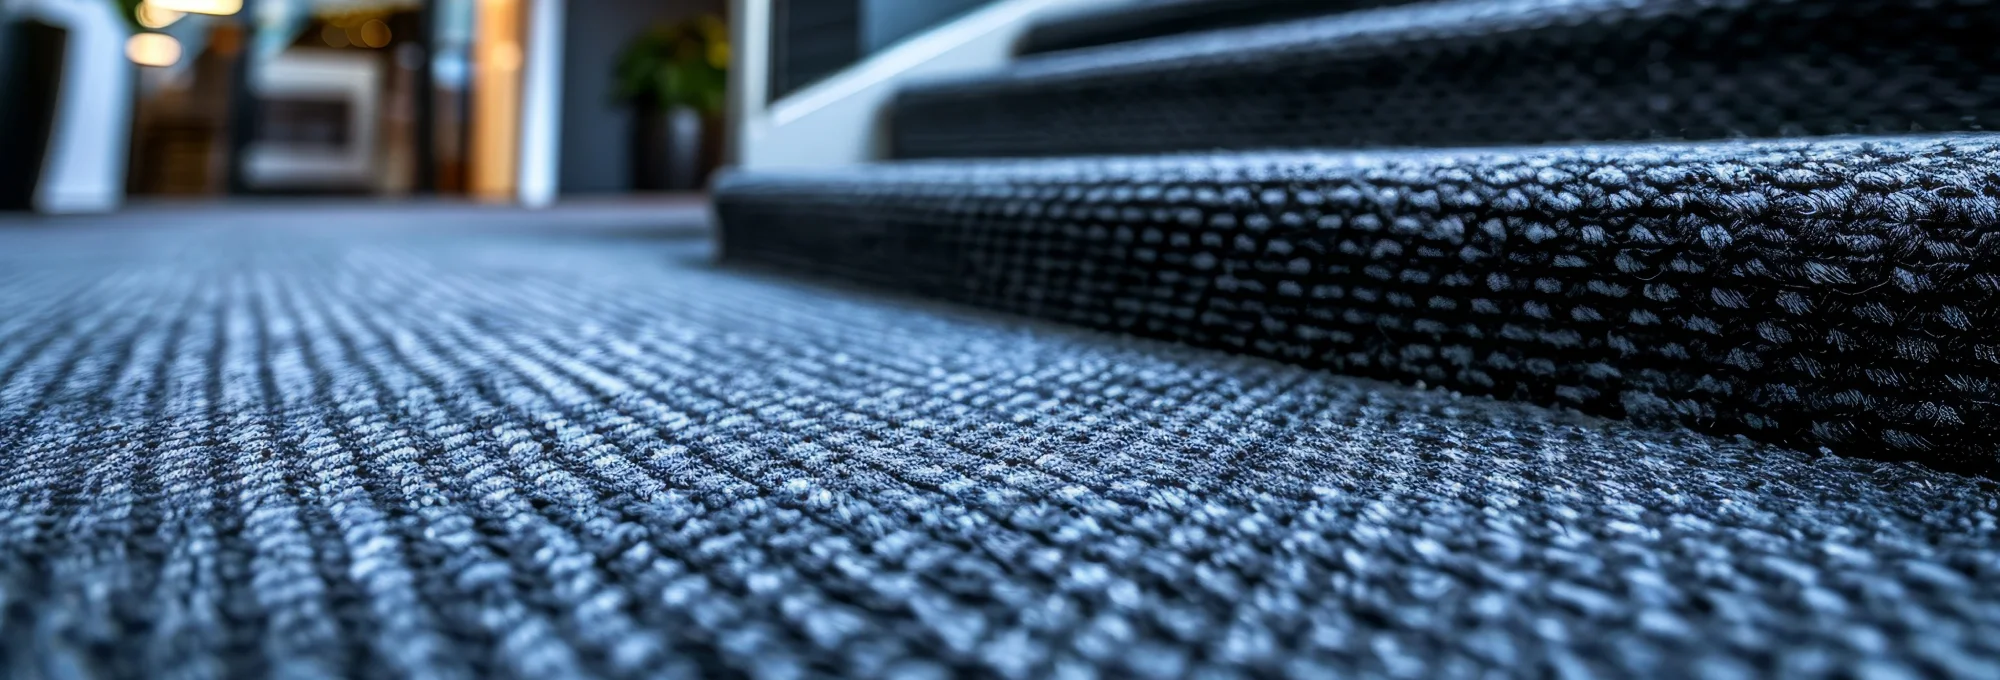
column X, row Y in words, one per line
column 1838, row 293
column 301, row 451
column 1445, row 73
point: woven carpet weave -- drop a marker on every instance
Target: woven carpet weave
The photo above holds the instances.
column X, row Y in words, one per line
column 1812, row 293
column 1473, row 72
column 1112, row 24
column 306, row 452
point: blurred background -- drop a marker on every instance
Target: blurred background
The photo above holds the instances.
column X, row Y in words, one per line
column 528, row 102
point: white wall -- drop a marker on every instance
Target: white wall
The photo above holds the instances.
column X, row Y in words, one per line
column 85, row 168
column 541, row 104
column 839, row 121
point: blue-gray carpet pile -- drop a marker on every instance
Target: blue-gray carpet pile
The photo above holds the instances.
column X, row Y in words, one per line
column 320, row 452
column 1466, row 72
column 1832, row 293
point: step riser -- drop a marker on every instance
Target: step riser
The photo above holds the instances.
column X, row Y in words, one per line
column 1162, row 18
column 1485, row 73
column 1829, row 294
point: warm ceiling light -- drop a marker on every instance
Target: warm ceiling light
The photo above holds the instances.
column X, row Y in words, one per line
column 333, row 36
column 215, row 7
column 374, row 33
column 153, row 49
column 155, row 17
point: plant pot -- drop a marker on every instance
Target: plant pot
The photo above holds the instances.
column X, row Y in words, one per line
column 670, row 149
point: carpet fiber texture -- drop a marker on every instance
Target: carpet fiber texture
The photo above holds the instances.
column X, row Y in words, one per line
column 1474, row 72
column 307, row 453
column 1108, row 25
column 1809, row 293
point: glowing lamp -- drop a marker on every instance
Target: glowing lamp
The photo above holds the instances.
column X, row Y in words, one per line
column 153, row 49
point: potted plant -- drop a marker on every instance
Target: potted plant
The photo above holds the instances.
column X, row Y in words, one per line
column 673, row 77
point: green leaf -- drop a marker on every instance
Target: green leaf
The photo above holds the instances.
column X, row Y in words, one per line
column 676, row 64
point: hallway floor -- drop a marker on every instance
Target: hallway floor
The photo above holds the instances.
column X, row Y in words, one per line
column 455, row 442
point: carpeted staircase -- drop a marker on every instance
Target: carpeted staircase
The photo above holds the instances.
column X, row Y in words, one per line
column 1329, row 376
column 1451, row 193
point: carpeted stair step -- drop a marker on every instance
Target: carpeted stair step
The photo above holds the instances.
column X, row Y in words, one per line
column 1100, row 26
column 1486, row 72
column 1832, row 293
